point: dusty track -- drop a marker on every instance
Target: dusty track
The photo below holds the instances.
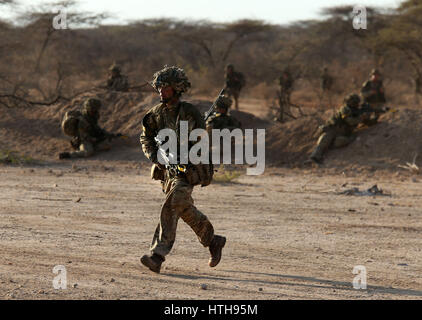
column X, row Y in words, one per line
column 290, row 236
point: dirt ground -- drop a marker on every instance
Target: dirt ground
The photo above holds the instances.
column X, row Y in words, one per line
column 290, row 235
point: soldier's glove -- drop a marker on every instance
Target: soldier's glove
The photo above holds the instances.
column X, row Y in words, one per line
column 157, row 163
column 64, row 155
column 75, row 143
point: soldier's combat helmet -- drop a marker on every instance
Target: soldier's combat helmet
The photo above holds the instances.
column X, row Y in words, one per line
column 115, row 68
column 352, row 100
column 224, row 102
column 375, row 71
column 171, row 76
column 91, row 106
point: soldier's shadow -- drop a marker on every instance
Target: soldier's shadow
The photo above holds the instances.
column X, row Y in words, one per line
column 312, row 282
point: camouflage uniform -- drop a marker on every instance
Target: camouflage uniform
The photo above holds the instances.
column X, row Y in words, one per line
column 286, row 83
column 90, row 137
column 178, row 203
column 116, row 81
column 286, row 86
column 326, row 80
column 373, row 91
column 338, row 131
column 235, row 81
column 222, row 120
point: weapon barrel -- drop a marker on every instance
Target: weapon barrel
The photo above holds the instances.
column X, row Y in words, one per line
column 210, row 111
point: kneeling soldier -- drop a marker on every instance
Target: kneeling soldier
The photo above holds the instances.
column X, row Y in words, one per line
column 87, row 136
column 220, row 119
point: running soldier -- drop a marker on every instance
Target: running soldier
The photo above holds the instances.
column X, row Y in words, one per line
column 177, row 180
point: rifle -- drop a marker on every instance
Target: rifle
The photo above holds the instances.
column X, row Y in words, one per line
column 170, row 160
column 75, row 142
column 366, row 108
column 139, row 86
column 211, row 110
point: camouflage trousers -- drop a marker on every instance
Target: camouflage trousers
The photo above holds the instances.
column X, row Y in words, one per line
column 87, row 149
column 179, row 204
column 234, row 93
column 331, row 138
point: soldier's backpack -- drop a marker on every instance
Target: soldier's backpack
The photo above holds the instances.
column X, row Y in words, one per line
column 70, row 123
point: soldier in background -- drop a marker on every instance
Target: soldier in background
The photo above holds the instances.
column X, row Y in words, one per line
column 116, row 81
column 220, row 119
column 326, row 85
column 373, row 90
column 326, row 80
column 338, row 130
column 286, row 85
column 87, row 136
column 235, row 81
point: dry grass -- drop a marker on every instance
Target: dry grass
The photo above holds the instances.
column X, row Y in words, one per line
column 226, row 176
column 12, row 157
column 412, row 167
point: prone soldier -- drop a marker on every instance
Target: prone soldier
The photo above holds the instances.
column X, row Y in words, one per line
column 338, row 130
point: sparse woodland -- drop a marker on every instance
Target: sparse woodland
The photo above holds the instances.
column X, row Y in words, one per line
column 39, row 64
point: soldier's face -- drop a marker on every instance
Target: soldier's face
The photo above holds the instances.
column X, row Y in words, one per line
column 166, row 93
column 375, row 77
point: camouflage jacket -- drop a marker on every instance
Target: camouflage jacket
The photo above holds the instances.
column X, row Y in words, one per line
column 346, row 119
column 326, row 81
column 119, row 83
column 89, row 132
column 222, row 121
column 235, row 81
column 163, row 117
column 373, row 92
column 286, row 82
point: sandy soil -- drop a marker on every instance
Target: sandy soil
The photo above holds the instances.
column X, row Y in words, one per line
column 290, row 235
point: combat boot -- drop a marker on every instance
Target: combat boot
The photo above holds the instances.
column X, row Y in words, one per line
column 216, row 248
column 153, row 262
column 316, row 155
